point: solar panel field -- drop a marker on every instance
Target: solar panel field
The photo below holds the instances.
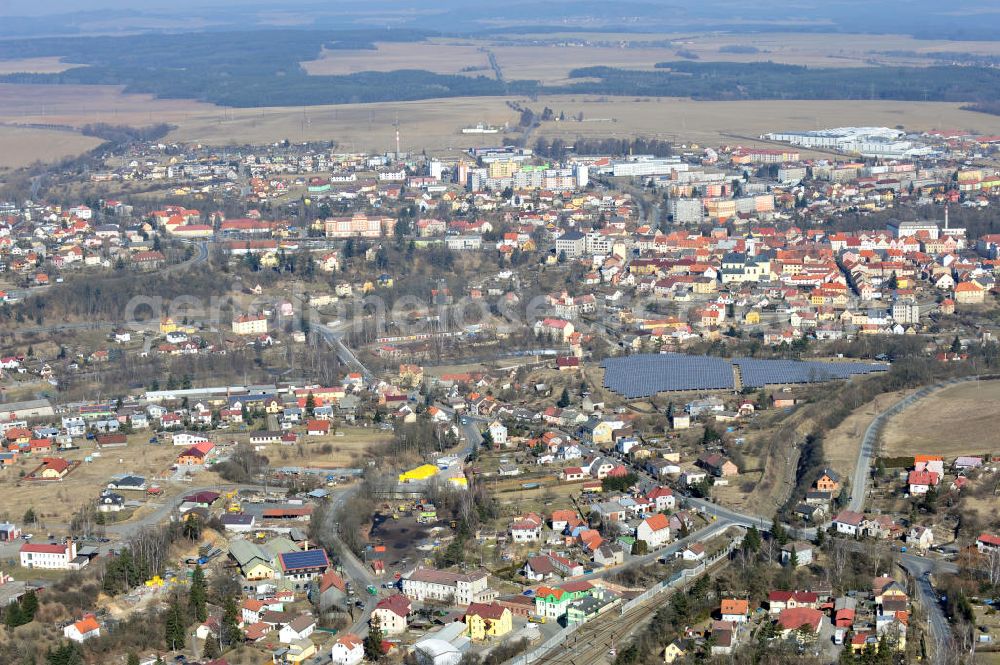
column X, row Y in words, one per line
column 644, row 375
column 757, row 373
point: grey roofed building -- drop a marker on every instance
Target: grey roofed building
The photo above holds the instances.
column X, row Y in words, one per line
column 279, row 545
column 245, row 553
column 845, row 603
column 34, row 408
column 238, row 521
column 136, row 483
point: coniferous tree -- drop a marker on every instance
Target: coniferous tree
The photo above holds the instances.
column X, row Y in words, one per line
column 230, row 622
column 29, row 605
column 373, row 641
column 13, row 616
column 174, row 628
column 211, row 649
column 198, row 596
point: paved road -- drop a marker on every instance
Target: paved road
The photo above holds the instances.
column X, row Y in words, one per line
column 119, row 533
column 356, row 571
column 334, row 338
column 590, row 643
column 919, row 568
column 862, row 469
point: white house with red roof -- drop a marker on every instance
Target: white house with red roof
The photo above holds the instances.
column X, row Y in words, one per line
column 349, row 649
column 988, row 543
column 83, row 630
column 921, row 482
column 526, row 529
column 654, row 530
column 848, row 522
column 392, row 613
column 663, row 498
column 52, row 556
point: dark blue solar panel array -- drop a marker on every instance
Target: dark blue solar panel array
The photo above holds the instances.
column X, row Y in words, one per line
column 306, row 559
column 755, row 373
column 647, row 374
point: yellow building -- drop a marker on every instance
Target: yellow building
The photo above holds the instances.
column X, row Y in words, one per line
column 602, row 433
column 167, row 325
column 673, row 652
column 752, row 317
column 485, row 621
column 299, row 651
column 259, row 571
column 421, row 473
column 502, row 169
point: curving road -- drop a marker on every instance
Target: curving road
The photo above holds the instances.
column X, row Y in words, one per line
column 862, row 469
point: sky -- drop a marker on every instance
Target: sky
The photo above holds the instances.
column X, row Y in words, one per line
column 957, row 19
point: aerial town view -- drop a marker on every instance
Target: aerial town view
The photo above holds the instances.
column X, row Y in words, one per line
column 456, row 333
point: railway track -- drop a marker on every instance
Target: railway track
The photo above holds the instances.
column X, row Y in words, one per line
column 591, row 643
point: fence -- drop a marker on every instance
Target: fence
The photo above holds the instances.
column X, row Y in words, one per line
column 672, row 582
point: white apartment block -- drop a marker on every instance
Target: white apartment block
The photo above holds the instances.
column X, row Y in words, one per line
column 442, row 585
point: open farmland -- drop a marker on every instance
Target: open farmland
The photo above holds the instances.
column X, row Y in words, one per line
column 21, row 146
column 955, row 421
column 549, row 58
column 435, row 125
column 45, row 65
column 78, row 105
column 741, row 122
column 442, row 58
column 842, row 444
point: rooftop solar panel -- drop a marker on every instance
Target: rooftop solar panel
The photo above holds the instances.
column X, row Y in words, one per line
column 306, row 559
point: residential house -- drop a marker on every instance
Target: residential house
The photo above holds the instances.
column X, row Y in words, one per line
column 392, row 613
column 848, row 522
column 828, row 481
column 673, row 652
column 52, row 556
column 332, row 589
column 920, row 537
column 487, row 621
column 297, row 629
column 921, row 482
column 498, row 434
column 987, row 543
column 798, row 619
column 734, row 610
column 693, row 552
column 83, row 630
column 800, row 552
column 303, row 565
column 609, row 554
column 526, row 529
column 663, row 498
column 552, row 602
column 718, row 465
column 654, row 531
column 348, row 649
column 779, row 601
column 538, row 568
